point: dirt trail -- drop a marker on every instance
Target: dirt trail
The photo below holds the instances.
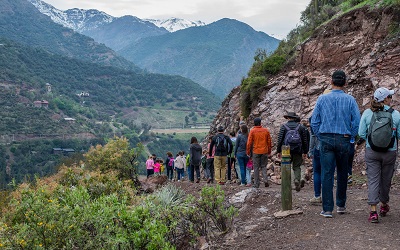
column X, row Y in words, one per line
column 257, row 228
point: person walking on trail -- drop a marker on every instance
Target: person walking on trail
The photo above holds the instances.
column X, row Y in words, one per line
column 381, row 149
column 259, row 148
column 150, row 166
column 169, row 162
column 231, row 159
column 195, row 159
column 241, row 156
column 210, row 162
column 295, row 135
column 314, row 154
column 335, row 121
column 180, row 163
column 223, row 147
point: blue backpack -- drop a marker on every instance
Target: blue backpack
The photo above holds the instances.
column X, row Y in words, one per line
column 293, row 139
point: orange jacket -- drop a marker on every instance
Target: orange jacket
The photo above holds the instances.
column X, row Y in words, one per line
column 259, row 141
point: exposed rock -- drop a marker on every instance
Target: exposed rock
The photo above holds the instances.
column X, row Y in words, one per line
column 359, row 42
column 283, row 214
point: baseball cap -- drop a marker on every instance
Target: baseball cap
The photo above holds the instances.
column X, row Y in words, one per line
column 381, row 93
column 339, row 75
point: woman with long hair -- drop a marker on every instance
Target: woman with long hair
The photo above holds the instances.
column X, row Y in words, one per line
column 195, row 159
column 241, row 156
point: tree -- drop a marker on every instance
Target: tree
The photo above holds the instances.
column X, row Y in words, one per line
column 116, row 155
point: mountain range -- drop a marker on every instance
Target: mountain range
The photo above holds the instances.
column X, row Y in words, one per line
column 217, row 55
column 35, row 51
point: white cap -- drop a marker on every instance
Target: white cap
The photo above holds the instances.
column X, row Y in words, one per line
column 381, row 93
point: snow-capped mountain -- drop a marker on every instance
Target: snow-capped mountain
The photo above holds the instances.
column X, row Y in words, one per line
column 173, row 24
column 82, row 20
column 77, row 19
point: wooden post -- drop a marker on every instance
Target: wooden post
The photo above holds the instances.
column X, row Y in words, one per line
column 286, row 179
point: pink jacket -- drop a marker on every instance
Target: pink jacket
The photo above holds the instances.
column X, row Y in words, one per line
column 150, row 164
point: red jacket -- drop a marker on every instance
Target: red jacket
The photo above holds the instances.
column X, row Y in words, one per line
column 259, row 141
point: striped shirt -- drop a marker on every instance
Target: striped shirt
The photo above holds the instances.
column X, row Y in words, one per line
column 336, row 113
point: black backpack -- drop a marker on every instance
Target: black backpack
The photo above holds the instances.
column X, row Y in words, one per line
column 381, row 136
column 221, row 144
column 293, row 139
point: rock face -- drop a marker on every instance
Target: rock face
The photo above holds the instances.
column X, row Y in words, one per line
column 361, row 42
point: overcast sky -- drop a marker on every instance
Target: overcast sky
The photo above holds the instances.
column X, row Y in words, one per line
column 274, row 17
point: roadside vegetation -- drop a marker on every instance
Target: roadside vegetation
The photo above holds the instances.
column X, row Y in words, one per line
column 97, row 204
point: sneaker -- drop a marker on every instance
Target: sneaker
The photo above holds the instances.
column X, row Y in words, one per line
column 248, row 185
column 242, row 185
column 373, row 217
column 297, row 186
column 326, row 214
column 384, row 209
column 316, row 200
column 198, row 180
column 302, row 183
column 341, row 210
column 221, row 183
column 349, row 180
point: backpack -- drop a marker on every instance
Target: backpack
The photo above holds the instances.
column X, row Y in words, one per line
column 221, row 144
column 293, row 139
column 381, row 135
column 171, row 162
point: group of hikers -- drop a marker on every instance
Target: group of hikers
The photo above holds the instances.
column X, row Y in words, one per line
column 328, row 137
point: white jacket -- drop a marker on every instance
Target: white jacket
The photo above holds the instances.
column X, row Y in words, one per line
column 180, row 162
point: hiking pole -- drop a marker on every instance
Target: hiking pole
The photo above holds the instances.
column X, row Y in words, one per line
column 286, row 185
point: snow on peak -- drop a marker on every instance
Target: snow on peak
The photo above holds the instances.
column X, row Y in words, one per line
column 174, row 24
column 76, row 19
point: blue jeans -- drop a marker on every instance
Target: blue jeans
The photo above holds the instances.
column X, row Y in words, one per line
column 242, row 161
column 316, row 163
column 180, row 172
column 334, row 152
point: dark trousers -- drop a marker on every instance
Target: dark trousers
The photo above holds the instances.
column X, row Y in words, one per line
column 231, row 165
column 170, row 172
column 210, row 168
column 194, row 168
column 334, row 153
column 150, row 172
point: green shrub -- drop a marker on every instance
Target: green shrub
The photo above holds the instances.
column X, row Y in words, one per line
column 69, row 219
column 250, row 90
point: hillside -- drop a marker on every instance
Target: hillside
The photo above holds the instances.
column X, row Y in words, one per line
column 113, row 93
column 217, row 55
column 22, row 22
column 363, row 41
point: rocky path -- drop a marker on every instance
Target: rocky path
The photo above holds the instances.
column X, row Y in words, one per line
column 257, row 228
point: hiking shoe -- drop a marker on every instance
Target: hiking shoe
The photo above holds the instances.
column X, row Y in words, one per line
column 302, row 182
column 316, row 200
column 384, row 209
column 349, row 180
column 221, row 183
column 373, row 217
column 266, row 184
column 248, row 185
column 341, row 210
column 198, row 180
column 297, row 186
column 326, row 214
